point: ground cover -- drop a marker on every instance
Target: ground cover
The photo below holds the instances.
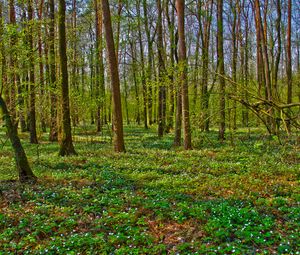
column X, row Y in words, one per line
column 239, row 197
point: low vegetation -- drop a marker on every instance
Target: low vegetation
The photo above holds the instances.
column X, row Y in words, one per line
column 237, row 197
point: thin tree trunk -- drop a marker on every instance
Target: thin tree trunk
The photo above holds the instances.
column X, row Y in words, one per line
column 149, row 64
column 289, row 59
column 221, row 69
column 32, row 119
column 100, row 67
column 172, row 89
column 53, row 135
column 66, row 146
column 143, row 75
column 115, row 81
column 11, row 90
column 161, row 73
column 41, row 67
column 136, row 90
column 234, row 8
column 277, row 61
column 2, row 52
column 180, row 5
column 205, row 38
column 178, row 117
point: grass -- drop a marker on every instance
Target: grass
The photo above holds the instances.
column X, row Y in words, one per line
column 239, row 197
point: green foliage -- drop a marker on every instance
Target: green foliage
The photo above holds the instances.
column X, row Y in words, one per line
column 240, row 198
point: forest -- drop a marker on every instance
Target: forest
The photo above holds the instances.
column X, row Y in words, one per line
column 149, row 127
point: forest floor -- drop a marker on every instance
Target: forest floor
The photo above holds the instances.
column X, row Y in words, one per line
column 239, row 197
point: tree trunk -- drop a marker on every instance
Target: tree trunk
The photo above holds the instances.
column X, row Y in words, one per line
column 172, row 89
column 221, row 69
column 66, row 146
column 53, row 135
column 178, row 117
column 265, row 60
column 41, row 67
column 289, row 59
column 136, row 89
column 235, row 27
column 100, row 94
column 143, row 76
column 161, row 74
column 115, row 81
column 180, row 5
column 32, row 114
column 205, row 38
column 24, row 170
column 2, row 52
column 149, row 64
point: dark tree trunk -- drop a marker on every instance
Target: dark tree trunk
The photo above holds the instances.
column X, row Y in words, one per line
column 24, row 170
column 235, row 29
column 136, row 89
column 53, row 135
column 143, row 76
column 178, row 117
column 66, row 146
column 149, row 64
column 100, row 67
column 262, row 28
column 277, row 61
column 221, row 69
column 32, row 114
column 205, row 38
column 172, row 89
column 289, row 59
column 115, row 80
column 11, row 89
column 161, row 74
column 41, row 68
column 183, row 76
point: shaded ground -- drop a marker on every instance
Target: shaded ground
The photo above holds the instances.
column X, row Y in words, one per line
column 240, row 197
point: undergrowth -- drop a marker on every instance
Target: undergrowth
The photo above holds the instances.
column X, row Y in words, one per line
column 238, row 197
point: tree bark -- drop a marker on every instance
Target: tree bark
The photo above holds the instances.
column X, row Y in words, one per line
column 115, row 80
column 289, row 59
column 100, row 89
column 143, row 75
column 53, row 135
column 41, row 67
column 180, row 5
column 172, row 89
column 149, row 64
column 161, row 74
column 24, row 170
column 66, row 146
column 221, row 69
column 32, row 113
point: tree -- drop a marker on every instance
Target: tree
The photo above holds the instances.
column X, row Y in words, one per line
column 24, row 170
column 221, row 69
column 53, row 135
column 100, row 96
column 41, row 66
column 115, row 81
column 204, row 28
column 183, row 78
column 150, row 62
column 32, row 114
column 66, row 146
column 143, row 75
column 289, row 59
column 161, row 74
